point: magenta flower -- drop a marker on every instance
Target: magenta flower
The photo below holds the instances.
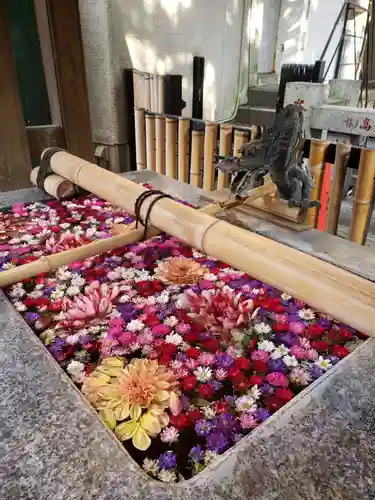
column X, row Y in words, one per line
column 260, row 356
column 248, row 421
column 63, row 242
column 277, row 379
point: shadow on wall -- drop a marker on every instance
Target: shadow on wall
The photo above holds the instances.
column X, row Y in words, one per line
column 163, row 36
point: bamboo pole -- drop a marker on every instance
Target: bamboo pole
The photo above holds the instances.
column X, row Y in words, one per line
column 196, row 162
column 337, row 188
column 183, row 149
column 161, row 94
column 240, row 137
column 140, row 141
column 54, row 185
column 316, row 164
column 48, row 263
column 347, row 297
column 160, row 144
column 210, row 137
column 171, row 147
column 147, row 92
column 363, row 197
column 150, row 142
column 152, row 94
column 225, row 147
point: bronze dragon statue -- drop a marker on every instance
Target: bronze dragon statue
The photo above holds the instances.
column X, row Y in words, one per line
column 279, row 154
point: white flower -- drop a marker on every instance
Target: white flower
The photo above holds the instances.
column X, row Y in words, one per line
column 57, row 294
column 146, row 350
column 254, row 392
column 306, row 314
column 300, row 376
column 171, row 321
column 35, row 294
column 19, row 306
column 266, row 345
column 203, row 374
column 285, row 296
column 209, row 456
column 184, row 346
column 113, row 275
column 73, row 339
column 262, row 328
column 169, row 435
column 60, row 317
column 174, row 338
column 76, row 371
column 73, row 290
column 245, row 404
column 209, row 412
column 176, row 365
column 150, row 466
column 78, row 281
column 290, row 361
column 17, row 291
column 167, row 476
column 8, row 265
column 324, row 364
column 63, row 275
column 279, row 352
column 237, row 336
column 65, row 225
column 135, row 325
column 197, row 255
column 221, row 374
column 163, row 298
column 210, row 277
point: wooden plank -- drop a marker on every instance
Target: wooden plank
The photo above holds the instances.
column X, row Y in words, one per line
column 44, row 136
column 65, row 29
column 15, row 164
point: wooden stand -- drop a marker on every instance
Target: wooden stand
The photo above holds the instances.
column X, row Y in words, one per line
column 171, row 147
column 150, row 142
column 160, row 144
column 183, row 149
column 224, row 150
column 337, row 188
column 209, row 151
column 317, row 153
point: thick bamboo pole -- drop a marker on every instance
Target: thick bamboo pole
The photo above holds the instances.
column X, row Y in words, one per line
column 210, row 136
column 171, row 147
column 160, row 144
column 150, row 142
column 54, row 185
column 152, row 94
column 328, row 289
column 160, row 94
column 316, row 160
column 48, row 263
column 337, row 188
column 225, row 148
column 147, row 91
column 197, row 137
column 240, row 137
column 363, row 197
column 140, row 141
column 183, row 149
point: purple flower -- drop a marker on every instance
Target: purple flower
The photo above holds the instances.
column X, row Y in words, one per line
column 226, row 420
column 203, row 427
column 216, row 385
column 230, row 400
column 127, row 311
column 288, row 339
column 266, row 388
column 324, row 323
column 239, row 283
column 31, row 317
column 276, row 365
column 224, row 361
column 315, row 371
column 167, row 460
column 185, row 402
column 261, row 414
column 196, row 453
column 217, row 441
column 181, row 356
column 334, row 359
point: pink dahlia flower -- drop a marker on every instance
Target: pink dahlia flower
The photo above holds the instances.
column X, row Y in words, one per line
column 65, row 241
column 218, row 310
column 92, row 306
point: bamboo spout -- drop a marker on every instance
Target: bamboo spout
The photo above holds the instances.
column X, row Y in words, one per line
column 334, row 291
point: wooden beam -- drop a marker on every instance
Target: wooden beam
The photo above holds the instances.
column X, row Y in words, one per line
column 65, row 29
column 15, row 164
column 41, row 137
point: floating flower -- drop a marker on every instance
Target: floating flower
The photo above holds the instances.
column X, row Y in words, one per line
column 92, row 306
column 180, row 271
column 63, row 242
column 218, row 310
column 324, row 364
column 306, row 314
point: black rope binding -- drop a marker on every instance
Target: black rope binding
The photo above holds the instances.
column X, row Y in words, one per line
column 139, row 203
column 45, row 167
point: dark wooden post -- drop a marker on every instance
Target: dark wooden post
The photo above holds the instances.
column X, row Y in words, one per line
column 15, row 164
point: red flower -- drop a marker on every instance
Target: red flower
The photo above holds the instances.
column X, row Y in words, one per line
column 243, row 363
column 191, row 337
column 205, row 390
column 193, row 352
column 221, row 406
column 189, row 383
column 314, row 332
column 340, row 351
column 252, row 344
column 180, row 421
column 241, row 382
column 211, row 345
column 255, row 380
column 280, row 327
column 194, row 415
column 345, row 335
column 55, row 306
column 320, row 345
column 233, row 372
column 274, row 404
column 151, row 320
column 284, row 394
column 260, row 366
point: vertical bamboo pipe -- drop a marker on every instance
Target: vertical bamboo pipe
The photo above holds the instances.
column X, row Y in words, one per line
column 337, row 188
column 171, row 147
column 197, row 137
column 225, row 147
column 210, row 139
column 150, row 142
column 138, row 102
column 147, row 91
column 156, row 93
column 363, row 197
column 316, row 161
column 152, row 94
column 183, row 149
column 140, row 141
column 160, row 144
column 240, row 137
column 161, row 94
